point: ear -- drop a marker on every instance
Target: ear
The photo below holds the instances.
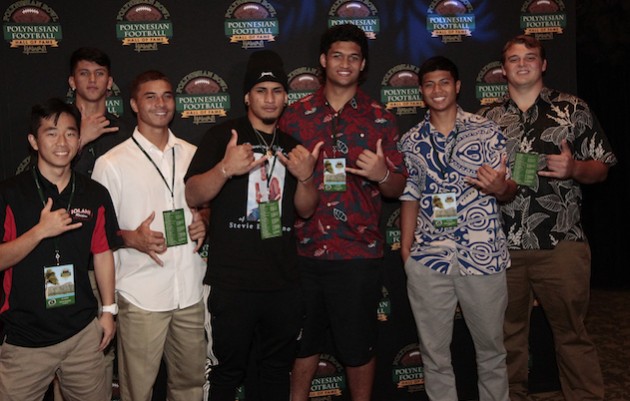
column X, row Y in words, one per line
column 362, row 65
column 246, row 99
column 71, row 82
column 134, row 105
column 286, row 98
column 33, row 141
column 110, row 83
column 544, row 66
column 322, row 60
column 458, row 86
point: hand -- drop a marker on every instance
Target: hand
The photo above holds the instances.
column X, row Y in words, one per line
column 92, row 127
column 371, row 165
column 489, row 180
column 239, row 159
column 53, row 223
column 197, row 229
column 300, row 162
column 560, row 166
column 148, row 241
column 109, row 329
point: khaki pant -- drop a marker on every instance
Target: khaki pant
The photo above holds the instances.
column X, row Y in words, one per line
column 560, row 280
column 109, row 353
column 144, row 337
column 26, row 373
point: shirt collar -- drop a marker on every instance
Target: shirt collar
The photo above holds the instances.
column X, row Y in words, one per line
column 50, row 188
column 544, row 96
column 318, row 99
column 172, row 141
column 460, row 118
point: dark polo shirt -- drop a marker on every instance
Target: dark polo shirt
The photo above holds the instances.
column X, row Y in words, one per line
column 84, row 161
column 27, row 321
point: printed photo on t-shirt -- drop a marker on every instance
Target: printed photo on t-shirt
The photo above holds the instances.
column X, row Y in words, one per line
column 265, row 184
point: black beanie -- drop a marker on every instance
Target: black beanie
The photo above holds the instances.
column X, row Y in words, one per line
column 264, row 66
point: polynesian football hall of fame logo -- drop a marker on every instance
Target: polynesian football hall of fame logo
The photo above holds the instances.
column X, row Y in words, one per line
column 408, row 369
column 490, row 85
column 450, row 20
column 31, row 25
column 252, row 23
column 329, row 380
column 113, row 102
column 144, row 24
column 302, row 82
column 543, row 18
column 202, row 96
column 361, row 13
column 399, row 90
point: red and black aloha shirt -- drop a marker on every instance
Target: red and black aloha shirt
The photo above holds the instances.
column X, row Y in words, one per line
column 345, row 224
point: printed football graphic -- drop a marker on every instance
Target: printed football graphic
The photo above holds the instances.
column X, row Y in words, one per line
column 304, row 82
column 143, row 12
column 353, row 9
column 450, row 7
column 412, row 358
column 494, row 76
column 200, row 86
column 31, row 15
column 542, row 7
column 325, row 368
column 404, row 78
column 251, row 11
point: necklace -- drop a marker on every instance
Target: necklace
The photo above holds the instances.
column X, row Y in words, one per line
column 268, row 146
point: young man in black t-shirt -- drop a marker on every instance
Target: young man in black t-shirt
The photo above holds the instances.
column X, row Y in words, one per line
column 256, row 179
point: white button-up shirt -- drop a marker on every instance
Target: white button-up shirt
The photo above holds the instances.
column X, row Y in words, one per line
column 137, row 190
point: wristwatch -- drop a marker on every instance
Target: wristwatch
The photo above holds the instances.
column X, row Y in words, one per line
column 113, row 309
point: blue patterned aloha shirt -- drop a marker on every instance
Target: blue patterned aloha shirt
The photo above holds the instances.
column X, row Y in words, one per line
column 476, row 245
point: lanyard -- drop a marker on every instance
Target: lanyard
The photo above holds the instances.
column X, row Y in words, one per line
column 170, row 188
column 268, row 173
column 43, row 199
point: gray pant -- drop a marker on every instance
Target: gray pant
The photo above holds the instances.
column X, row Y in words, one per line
column 433, row 297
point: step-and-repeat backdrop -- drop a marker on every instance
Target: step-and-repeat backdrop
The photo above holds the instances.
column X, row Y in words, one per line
column 203, row 47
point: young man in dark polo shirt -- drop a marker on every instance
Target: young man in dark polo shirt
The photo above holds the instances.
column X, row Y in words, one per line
column 90, row 79
column 51, row 221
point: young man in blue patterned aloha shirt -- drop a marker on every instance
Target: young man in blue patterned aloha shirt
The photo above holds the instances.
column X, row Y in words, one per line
column 452, row 243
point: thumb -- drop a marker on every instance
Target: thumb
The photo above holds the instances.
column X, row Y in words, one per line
column 564, row 147
column 379, row 147
column 48, row 205
column 503, row 166
column 149, row 219
column 316, row 149
column 233, row 139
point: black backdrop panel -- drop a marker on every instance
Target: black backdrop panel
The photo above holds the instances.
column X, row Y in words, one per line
column 196, row 45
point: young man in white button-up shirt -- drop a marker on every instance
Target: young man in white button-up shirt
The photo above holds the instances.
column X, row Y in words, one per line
column 159, row 281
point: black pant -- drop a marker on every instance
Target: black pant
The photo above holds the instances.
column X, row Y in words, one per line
column 269, row 321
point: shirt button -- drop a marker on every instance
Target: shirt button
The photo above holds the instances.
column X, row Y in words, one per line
column 327, row 227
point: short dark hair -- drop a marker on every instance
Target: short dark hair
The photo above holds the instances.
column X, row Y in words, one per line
column 52, row 108
column 438, row 63
column 90, row 54
column 147, row 76
column 345, row 33
column 529, row 42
